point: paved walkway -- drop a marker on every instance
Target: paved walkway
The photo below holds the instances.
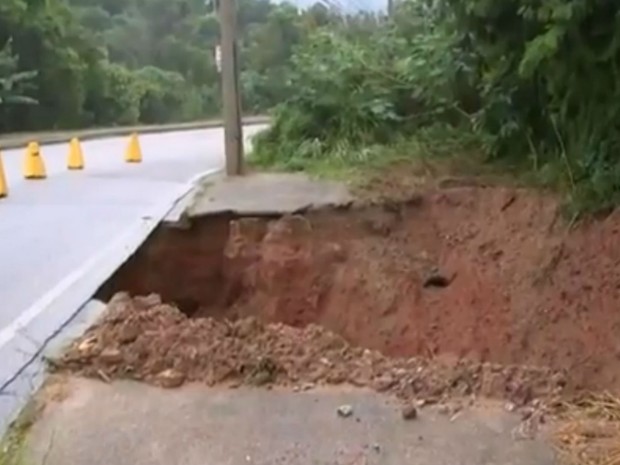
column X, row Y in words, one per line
column 61, row 238
column 268, row 194
column 127, row 423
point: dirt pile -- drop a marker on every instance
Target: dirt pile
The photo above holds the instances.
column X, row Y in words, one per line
column 143, row 339
column 485, row 274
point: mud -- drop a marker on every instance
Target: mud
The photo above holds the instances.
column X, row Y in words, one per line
column 145, row 340
column 477, row 275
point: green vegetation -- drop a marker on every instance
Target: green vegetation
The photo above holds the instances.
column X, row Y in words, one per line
column 533, row 84
column 81, row 63
column 13, row 84
column 365, row 87
column 12, row 445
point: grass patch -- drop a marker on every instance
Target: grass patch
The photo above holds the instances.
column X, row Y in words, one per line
column 432, row 153
column 589, row 431
column 437, row 151
column 431, row 149
column 12, row 446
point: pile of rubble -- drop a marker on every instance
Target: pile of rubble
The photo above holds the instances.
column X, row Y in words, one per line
column 143, row 339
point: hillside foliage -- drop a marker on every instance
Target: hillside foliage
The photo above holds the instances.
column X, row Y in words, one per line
column 530, row 83
column 114, row 62
column 535, row 82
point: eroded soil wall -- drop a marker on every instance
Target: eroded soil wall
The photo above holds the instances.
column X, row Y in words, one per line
column 492, row 274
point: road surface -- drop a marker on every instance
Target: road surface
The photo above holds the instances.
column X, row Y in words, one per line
column 126, row 423
column 61, row 237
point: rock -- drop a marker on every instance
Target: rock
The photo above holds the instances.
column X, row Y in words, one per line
column 345, row 411
column 170, row 378
column 246, row 327
column 119, row 298
column 261, row 378
column 128, row 333
column 521, row 393
column 336, row 377
column 376, row 447
column 263, row 372
column 148, row 301
column 421, row 403
column 443, row 409
column 527, row 413
column 383, row 383
column 87, row 344
column 111, row 356
column 409, row 412
column 510, row 407
column 308, row 386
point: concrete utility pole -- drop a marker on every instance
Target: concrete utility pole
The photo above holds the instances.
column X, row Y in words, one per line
column 233, row 132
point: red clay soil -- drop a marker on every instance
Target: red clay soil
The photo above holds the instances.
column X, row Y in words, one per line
column 484, row 274
column 142, row 339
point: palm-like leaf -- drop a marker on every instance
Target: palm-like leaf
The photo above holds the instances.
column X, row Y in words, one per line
column 17, row 100
column 13, row 83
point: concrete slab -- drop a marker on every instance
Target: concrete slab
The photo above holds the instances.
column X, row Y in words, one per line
column 127, row 423
column 267, row 194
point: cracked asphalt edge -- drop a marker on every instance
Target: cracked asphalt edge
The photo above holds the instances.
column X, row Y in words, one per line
column 49, row 323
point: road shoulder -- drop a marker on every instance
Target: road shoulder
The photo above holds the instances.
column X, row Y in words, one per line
column 130, row 423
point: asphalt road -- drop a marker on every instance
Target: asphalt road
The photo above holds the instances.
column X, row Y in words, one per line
column 61, row 237
column 125, row 423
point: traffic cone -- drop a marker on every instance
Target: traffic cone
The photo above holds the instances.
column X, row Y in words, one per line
column 34, row 167
column 133, row 154
column 75, row 160
column 4, row 189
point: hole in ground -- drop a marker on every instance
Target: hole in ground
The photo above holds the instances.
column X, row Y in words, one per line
column 454, row 275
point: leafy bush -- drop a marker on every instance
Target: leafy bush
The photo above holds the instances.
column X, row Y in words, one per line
column 163, row 95
column 110, row 62
column 371, row 83
column 535, row 80
column 119, row 95
column 549, row 80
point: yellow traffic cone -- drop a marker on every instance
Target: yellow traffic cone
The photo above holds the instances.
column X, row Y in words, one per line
column 75, row 160
column 133, row 154
column 34, row 167
column 4, row 189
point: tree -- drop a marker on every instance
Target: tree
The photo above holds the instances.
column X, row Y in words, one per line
column 122, row 61
column 14, row 86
